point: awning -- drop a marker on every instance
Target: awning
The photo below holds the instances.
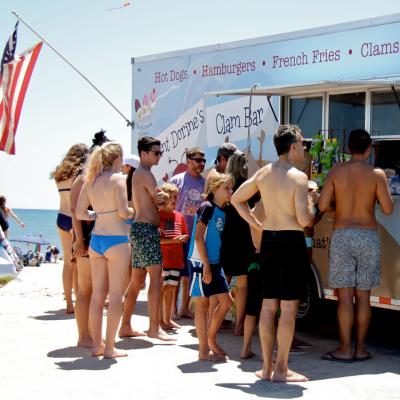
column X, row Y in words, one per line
column 307, row 88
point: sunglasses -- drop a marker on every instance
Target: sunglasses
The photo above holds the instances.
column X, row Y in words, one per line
column 157, row 152
column 199, row 160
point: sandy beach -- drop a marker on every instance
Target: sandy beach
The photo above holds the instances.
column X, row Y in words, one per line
column 39, row 358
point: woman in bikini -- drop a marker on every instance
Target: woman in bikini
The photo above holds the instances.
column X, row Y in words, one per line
column 105, row 190
column 64, row 175
column 82, row 233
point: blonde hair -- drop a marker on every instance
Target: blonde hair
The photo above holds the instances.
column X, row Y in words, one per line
column 102, row 158
column 214, row 182
column 169, row 188
column 72, row 162
column 237, row 166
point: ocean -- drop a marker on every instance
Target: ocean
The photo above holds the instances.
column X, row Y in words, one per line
column 37, row 222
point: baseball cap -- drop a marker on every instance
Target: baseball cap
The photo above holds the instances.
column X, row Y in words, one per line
column 227, row 149
column 132, row 160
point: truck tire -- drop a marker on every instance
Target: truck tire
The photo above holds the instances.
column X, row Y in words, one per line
column 310, row 305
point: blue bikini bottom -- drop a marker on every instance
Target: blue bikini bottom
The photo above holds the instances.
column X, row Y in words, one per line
column 101, row 243
column 64, row 222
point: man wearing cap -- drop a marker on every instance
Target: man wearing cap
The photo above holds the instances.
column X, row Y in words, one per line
column 191, row 187
column 223, row 154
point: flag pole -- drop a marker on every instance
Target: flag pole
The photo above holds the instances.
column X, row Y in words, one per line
column 129, row 123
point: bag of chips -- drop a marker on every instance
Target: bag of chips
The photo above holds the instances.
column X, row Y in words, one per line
column 316, row 145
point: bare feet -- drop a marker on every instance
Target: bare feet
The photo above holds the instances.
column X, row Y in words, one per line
column 161, row 335
column 70, row 309
column 245, row 354
column 114, row 354
column 288, row 376
column 214, row 357
column 264, row 375
column 98, row 351
column 238, row 331
column 215, row 348
column 129, row 332
column 85, row 342
column 175, row 315
column 186, row 314
column 170, row 325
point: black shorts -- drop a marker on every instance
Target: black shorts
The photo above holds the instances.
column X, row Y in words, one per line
column 254, row 289
column 284, row 265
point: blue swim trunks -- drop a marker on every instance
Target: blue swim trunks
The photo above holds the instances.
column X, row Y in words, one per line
column 146, row 248
column 217, row 285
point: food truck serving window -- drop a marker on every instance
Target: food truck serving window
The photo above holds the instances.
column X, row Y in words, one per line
column 385, row 114
column 306, row 112
column 347, row 112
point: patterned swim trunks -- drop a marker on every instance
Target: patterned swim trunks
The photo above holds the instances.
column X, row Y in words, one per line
column 354, row 259
column 146, row 249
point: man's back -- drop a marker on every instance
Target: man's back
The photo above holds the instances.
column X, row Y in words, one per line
column 279, row 185
column 355, row 190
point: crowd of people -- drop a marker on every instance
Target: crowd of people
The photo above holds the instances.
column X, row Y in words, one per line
column 194, row 234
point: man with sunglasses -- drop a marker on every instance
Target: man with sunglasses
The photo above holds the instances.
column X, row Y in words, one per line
column 191, row 187
column 289, row 207
column 146, row 249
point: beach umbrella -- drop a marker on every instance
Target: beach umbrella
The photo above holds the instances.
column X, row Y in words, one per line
column 28, row 238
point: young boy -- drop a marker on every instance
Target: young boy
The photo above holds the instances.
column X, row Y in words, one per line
column 173, row 233
column 208, row 278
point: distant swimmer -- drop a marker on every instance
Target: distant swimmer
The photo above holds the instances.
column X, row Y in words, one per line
column 5, row 213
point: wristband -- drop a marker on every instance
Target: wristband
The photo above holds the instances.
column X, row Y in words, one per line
column 314, row 211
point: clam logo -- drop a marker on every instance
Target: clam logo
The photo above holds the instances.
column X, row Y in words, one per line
column 219, row 223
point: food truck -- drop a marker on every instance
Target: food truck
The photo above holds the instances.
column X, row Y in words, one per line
column 327, row 80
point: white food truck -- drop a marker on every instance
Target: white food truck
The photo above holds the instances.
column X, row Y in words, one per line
column 327, row 80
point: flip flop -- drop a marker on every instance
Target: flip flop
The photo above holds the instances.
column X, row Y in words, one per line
column 330, row 356
column 365, row 358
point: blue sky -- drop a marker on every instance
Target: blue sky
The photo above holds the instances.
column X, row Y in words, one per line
column 61, row 109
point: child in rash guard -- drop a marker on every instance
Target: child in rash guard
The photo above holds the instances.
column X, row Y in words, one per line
column 208, row 278
column 173, row 233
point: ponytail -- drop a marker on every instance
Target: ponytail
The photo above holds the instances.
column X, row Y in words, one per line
column 95, row 165
column 102, row 158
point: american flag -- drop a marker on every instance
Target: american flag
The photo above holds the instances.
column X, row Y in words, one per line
column 15, row 74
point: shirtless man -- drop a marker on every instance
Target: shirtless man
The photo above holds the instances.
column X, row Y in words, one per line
column 146, row 251
column 354, row 266
column 283, row 252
